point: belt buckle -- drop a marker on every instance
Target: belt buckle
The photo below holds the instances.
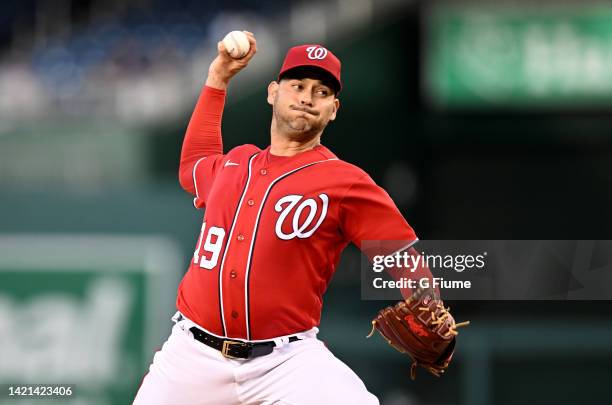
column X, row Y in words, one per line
column 226, row 346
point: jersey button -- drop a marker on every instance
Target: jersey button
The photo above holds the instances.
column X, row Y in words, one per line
column 233, row 274
column 251, row 203
column 263, row 172
column 235, row 314
column 240, row 237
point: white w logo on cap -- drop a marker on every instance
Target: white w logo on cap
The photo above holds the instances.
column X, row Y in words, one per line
column 316, row 52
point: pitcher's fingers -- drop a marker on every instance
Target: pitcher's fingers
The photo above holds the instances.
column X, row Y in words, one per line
column 252, row 49
column 252, row 40
column 222, row 50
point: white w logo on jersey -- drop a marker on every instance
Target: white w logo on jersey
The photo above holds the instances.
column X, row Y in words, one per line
column 299, row 230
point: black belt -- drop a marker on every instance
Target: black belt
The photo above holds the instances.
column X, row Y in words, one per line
column 235, row 349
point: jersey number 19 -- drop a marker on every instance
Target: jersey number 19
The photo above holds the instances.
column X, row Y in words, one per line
column 212, row 248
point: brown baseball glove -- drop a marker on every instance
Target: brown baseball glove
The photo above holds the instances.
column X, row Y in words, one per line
column 422, row 328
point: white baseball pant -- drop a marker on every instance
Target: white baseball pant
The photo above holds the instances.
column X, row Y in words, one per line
column 187, row 372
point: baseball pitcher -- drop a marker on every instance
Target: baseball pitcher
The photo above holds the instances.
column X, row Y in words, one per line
column 275, row 223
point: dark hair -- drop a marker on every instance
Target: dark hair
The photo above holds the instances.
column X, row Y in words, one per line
column 312, row 72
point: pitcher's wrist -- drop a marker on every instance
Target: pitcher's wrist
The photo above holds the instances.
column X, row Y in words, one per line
column 217, row 82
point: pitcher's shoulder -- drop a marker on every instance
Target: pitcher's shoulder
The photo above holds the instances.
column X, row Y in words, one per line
column 243, row 151
column 345, row 170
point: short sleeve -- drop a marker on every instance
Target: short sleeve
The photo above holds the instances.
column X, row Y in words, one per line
column 367, row 213
column 204, row 173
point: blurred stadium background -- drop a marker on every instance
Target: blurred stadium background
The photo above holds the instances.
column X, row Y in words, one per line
column 483, row 120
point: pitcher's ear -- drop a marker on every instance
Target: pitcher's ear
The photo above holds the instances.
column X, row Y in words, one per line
column 336, row 107
column 272, row 89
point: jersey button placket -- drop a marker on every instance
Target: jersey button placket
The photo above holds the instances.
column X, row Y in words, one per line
column 237, row 291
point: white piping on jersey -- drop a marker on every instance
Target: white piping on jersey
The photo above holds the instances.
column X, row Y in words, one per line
column 195, row 184
column 248, row 266
column 408, row 246
column 229, row 240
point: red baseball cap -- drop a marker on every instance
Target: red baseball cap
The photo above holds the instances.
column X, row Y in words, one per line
column 313, row 55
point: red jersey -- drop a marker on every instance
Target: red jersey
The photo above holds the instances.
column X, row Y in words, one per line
column 272, row 234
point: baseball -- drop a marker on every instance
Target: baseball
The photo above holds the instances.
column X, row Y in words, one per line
column 237, row 44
